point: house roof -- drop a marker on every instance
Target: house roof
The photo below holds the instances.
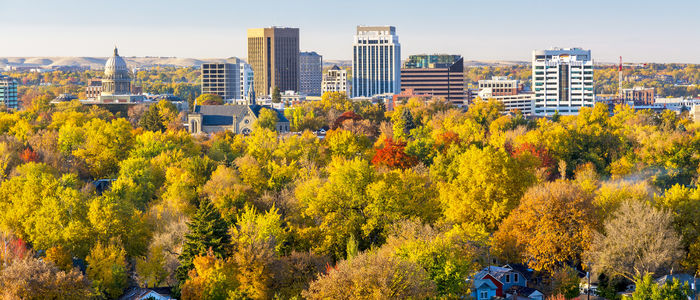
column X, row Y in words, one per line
column 681, row 277
column 522, row 269
column 137, row 293
column 481, row 282
column 495, row 272
column 521, row 290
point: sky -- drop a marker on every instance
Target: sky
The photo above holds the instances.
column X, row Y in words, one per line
column 639, row 30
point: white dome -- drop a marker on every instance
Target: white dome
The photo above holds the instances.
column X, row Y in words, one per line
column 115, row 63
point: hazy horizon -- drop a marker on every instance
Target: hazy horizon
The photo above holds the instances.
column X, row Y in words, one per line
column 640, row 31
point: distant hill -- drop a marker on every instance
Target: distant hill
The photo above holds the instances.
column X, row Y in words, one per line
column 99, row 62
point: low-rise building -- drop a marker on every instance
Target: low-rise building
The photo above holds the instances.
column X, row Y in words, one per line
column 440, row 76
column 509, row 92
column 335, row 80
column 93, row 88
column 639, row 95
column 501, row 86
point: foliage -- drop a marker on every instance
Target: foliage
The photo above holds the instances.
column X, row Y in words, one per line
column 647, row 289
column 107, row 269
column 372, row 275
column 209, row 99
column 393, row 155
column 32, row 278
column 267, row 119
column 550, row 229
column 639, row 240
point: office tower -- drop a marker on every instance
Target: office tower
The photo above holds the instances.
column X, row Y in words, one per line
column 439, row 76
column 221, row 79
column 376, row 64
column 310, row 73
column 335, row 80
column 247, row 79
column 274, row 55
column 507, row 91
column 8, row 92
column 562, row 81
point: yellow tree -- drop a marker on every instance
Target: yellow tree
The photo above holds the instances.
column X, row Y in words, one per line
column 551, row 227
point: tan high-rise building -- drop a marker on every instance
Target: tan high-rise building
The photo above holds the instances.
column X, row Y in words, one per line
column 274, row 55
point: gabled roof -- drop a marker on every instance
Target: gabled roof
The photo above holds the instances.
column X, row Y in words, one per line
column 481, row 282
column 681, row 277
column 521, row 291
column 522, row 269
column 495, row 272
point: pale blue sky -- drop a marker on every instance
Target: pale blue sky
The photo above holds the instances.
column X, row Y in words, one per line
column 639, row 30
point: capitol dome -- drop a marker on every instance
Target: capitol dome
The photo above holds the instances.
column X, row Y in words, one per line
column 116, row 80
column 115, row 63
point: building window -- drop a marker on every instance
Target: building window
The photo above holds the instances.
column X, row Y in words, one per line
column 484, row 295
column 515, row 277
column 507, row 278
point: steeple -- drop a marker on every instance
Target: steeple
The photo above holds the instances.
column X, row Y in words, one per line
column 251, row 95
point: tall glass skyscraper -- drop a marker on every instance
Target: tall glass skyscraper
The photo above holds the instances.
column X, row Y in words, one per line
column 8, row 92
column 376, row 63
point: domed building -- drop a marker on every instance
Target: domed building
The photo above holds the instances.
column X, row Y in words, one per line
column 116, row 82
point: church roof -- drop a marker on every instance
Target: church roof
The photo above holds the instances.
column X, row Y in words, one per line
column 218, row 115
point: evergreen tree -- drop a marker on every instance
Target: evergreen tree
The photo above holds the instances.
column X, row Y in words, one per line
column 403, row 123
column 207, row 231
column 152, row 120
column 276, row 96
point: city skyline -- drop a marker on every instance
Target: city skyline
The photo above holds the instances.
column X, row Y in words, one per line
column 640, row 31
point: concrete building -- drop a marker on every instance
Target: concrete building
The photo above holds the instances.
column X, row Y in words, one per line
column 439, row 76
column 639, row 95
column 562, row 80
column 335, row 80
column 310, row 73
column 223, row 79
column 509, row 92
column 93, row 88
column 273, row 54
column 501, row 86
column 376, row 64
column 8, row 92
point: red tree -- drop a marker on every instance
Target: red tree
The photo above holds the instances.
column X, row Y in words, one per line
column 392, row 155
column 28, row 155
column 542, row 153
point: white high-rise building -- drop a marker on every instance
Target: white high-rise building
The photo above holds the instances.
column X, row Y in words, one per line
column 310, row 73
column 562, row 80
column 376, row 64
column 335, row 80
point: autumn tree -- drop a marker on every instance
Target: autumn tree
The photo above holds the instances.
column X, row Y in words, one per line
column 565, row 223
column 267, row 118
column 403, row 123
column 484, row 185
column 209, row 99
column 32, row 278
column 393, row 155
column 107, row 269
column 637, row 241
column 372, row 275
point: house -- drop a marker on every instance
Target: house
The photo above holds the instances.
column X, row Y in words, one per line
column 238, row 119
column 683, row 278
column 517, row 292
column 501, row 279
column 137, row 293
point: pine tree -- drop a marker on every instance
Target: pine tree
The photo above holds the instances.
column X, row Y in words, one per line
column 276, row 96
column 207, row 231
column 403, row 123
column 152, row 119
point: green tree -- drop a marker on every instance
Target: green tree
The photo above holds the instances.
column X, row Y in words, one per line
column 276, row 96
column 403, row 123
column 647, row 289
column 207, row 232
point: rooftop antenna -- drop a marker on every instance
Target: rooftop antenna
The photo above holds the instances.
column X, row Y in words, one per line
column 619, row 88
